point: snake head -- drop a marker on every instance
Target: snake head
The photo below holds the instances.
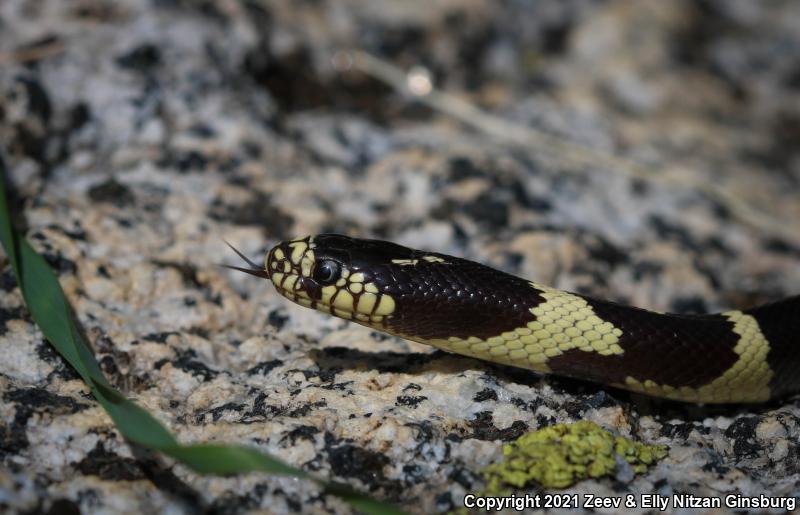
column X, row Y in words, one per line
column 335, row 274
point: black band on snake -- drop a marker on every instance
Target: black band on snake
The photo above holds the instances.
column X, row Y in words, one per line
column 464, row 307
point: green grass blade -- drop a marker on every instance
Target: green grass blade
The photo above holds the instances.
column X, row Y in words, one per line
column 230, row 459
column 51, row 311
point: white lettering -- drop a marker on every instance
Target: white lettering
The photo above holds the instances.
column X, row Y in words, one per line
column 511, row 502
column 762, row 502
column 469, row 501
column 659, row 502
column 595, row 501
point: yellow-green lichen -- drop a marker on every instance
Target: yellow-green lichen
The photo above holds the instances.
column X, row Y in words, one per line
column 563, row 454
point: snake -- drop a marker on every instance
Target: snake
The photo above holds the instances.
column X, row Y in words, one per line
column 464, row 307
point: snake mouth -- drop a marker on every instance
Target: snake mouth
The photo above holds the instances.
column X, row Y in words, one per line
column 284, row 266
column 289, row 266
column 331, row 300
column 293, row 287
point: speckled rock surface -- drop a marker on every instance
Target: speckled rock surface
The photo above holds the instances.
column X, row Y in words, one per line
column 139, row 134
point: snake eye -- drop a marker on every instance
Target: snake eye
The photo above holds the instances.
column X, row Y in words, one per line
column 327, row 272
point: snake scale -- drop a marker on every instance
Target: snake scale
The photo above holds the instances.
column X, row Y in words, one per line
column 464, row 307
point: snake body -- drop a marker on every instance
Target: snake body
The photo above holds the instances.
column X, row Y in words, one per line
column 464, row 307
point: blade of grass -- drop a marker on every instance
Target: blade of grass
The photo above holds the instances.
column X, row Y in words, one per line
column 51, row 311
